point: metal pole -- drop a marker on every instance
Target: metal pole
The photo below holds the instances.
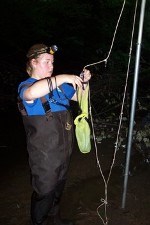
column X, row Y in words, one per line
column 134, row 94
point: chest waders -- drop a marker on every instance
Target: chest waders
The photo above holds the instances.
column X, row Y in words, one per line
column 49, row 145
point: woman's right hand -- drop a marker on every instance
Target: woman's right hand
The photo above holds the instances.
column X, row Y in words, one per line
column 72, row 79
column 76, row 80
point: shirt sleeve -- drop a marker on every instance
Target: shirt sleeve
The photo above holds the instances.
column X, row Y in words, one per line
column 22, row 87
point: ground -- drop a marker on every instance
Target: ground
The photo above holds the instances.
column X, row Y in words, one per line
column 84, row 189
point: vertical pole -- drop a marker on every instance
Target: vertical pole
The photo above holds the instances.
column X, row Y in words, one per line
column 134, row 94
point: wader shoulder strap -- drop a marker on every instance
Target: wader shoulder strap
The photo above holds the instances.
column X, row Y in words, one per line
column 46, row 106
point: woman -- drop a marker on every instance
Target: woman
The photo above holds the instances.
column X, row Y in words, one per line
column 44, row 105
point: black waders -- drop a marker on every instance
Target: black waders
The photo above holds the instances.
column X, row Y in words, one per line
column 49, row 144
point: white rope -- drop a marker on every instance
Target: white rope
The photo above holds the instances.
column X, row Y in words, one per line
column 125, row 88
column 112, row 43
column 106, row 181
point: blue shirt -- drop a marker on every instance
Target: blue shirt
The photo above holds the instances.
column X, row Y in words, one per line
column 58, row 99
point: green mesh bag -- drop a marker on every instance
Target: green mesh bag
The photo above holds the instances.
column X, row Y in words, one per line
column 82, row 129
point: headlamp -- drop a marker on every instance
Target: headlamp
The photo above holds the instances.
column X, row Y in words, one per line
column 53, row 49
column 50, row 50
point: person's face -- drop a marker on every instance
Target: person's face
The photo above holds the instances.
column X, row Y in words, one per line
column 43, row 65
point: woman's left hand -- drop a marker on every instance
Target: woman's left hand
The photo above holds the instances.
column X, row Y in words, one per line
column 86, row 75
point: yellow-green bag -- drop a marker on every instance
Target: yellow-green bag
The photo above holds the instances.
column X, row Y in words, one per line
column 82, row 129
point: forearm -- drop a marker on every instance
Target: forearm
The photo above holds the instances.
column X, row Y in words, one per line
column 44, row 86
column 38, row 89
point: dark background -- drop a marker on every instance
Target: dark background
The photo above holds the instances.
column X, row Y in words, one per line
column 82, row 30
